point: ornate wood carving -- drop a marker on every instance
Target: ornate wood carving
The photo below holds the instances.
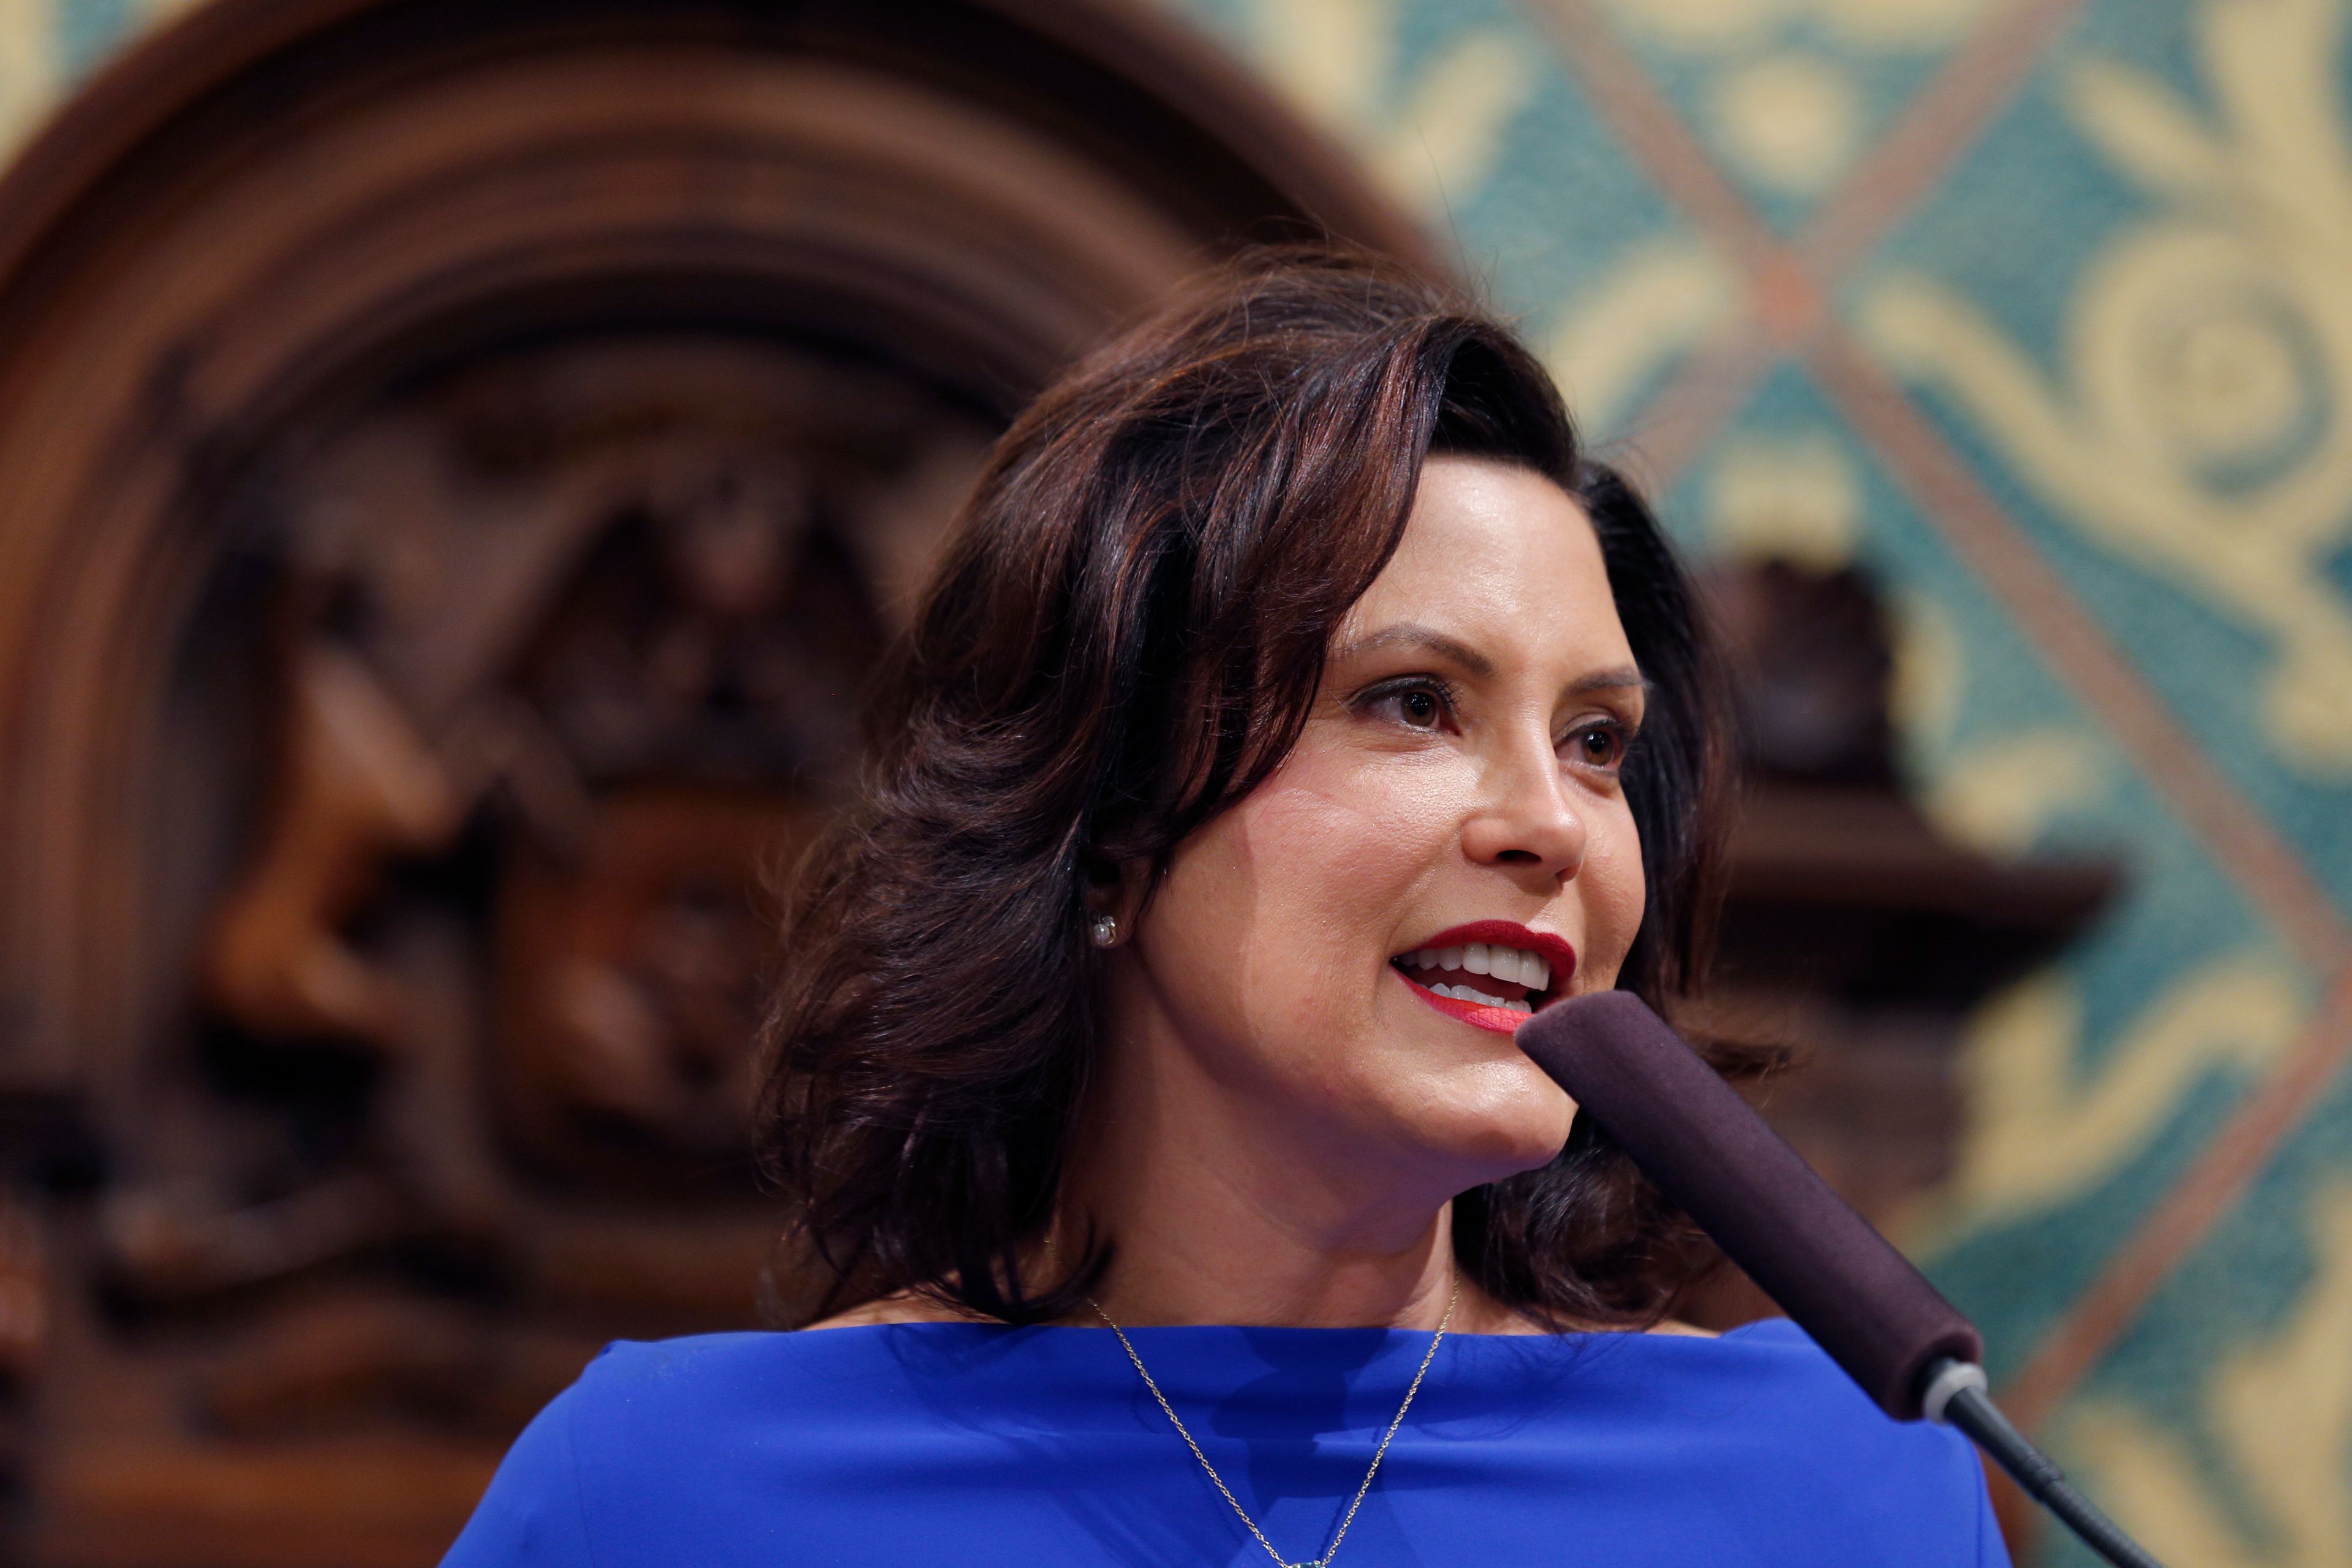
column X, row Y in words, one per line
column 464, row 461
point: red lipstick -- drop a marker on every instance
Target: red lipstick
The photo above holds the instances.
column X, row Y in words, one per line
column 1501, row 1020
column 1554, row 949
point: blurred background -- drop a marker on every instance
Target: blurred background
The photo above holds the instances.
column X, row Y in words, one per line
column 459, row 461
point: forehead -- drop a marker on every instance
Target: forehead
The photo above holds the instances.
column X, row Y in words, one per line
column 1503, row 558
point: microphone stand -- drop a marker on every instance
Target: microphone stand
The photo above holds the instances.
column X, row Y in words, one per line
column 1861, row 1300
column 1956, row 1394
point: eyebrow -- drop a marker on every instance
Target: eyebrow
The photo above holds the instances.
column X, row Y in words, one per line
column 1409, row 636
column 1624, row 678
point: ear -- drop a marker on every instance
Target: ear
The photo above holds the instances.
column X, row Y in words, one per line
column 1113, row 888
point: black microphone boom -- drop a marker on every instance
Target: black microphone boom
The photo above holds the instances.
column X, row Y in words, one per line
column 1861, row 1300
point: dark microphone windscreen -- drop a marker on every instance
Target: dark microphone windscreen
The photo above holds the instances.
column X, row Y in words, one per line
column 1709, row 1152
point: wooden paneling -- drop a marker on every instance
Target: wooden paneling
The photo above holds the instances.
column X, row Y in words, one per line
column 464, row 461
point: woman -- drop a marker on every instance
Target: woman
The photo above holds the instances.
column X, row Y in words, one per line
column 1295, row 710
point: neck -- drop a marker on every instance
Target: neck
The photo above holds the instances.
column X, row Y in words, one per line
column 1220, row 1212
column 1237, row 1268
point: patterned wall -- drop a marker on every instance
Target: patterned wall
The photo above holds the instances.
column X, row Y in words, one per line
column 2043, row 312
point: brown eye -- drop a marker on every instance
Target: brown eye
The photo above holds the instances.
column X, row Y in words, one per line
column 1423, row 703
column 1599, row 745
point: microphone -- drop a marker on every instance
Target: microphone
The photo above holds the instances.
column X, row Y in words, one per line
column 1862, row 1301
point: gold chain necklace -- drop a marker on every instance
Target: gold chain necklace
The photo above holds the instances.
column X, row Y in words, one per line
column 1378, row 1454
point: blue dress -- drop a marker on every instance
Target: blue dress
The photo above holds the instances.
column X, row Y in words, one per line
column 956, row 1446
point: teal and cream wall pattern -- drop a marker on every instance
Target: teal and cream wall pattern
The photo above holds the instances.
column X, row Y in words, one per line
column 2042, row 310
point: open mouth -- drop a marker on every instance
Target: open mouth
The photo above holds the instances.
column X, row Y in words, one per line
column 1495, row 983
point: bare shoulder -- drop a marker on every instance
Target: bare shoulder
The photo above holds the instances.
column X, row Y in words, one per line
column 1688, row 1330
column 903, row 1308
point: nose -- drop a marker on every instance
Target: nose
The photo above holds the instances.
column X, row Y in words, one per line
column 1527, row 815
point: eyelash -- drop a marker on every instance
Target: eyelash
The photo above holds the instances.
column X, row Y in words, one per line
column 1444, row 691
column 1616, row 731
column 1398, row 689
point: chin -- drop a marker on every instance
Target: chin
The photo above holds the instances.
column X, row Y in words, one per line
column 1503, row 1122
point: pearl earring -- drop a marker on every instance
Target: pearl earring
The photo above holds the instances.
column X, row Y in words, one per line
column 1105, row 930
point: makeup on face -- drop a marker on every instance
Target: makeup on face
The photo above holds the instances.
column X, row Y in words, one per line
column 1491, row 974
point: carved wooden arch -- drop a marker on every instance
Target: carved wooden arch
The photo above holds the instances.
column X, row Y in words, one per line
column 259, row 220
column 273, row 201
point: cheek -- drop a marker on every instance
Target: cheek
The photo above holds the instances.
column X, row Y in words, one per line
column 1331, row 829
column 1275, row 917
column 1614, row 896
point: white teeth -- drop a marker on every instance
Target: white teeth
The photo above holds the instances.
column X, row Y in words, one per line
column 1514, row 965
column 1467, row 993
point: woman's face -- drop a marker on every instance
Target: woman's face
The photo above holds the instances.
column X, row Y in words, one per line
column 1457, row 788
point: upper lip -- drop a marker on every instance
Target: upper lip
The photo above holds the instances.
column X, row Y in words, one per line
column 1554, row 949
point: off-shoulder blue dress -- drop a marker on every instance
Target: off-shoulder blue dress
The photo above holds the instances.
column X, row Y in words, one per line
column 954, row 1445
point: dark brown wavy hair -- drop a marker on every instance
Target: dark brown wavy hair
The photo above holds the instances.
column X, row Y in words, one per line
column 1124, row 638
